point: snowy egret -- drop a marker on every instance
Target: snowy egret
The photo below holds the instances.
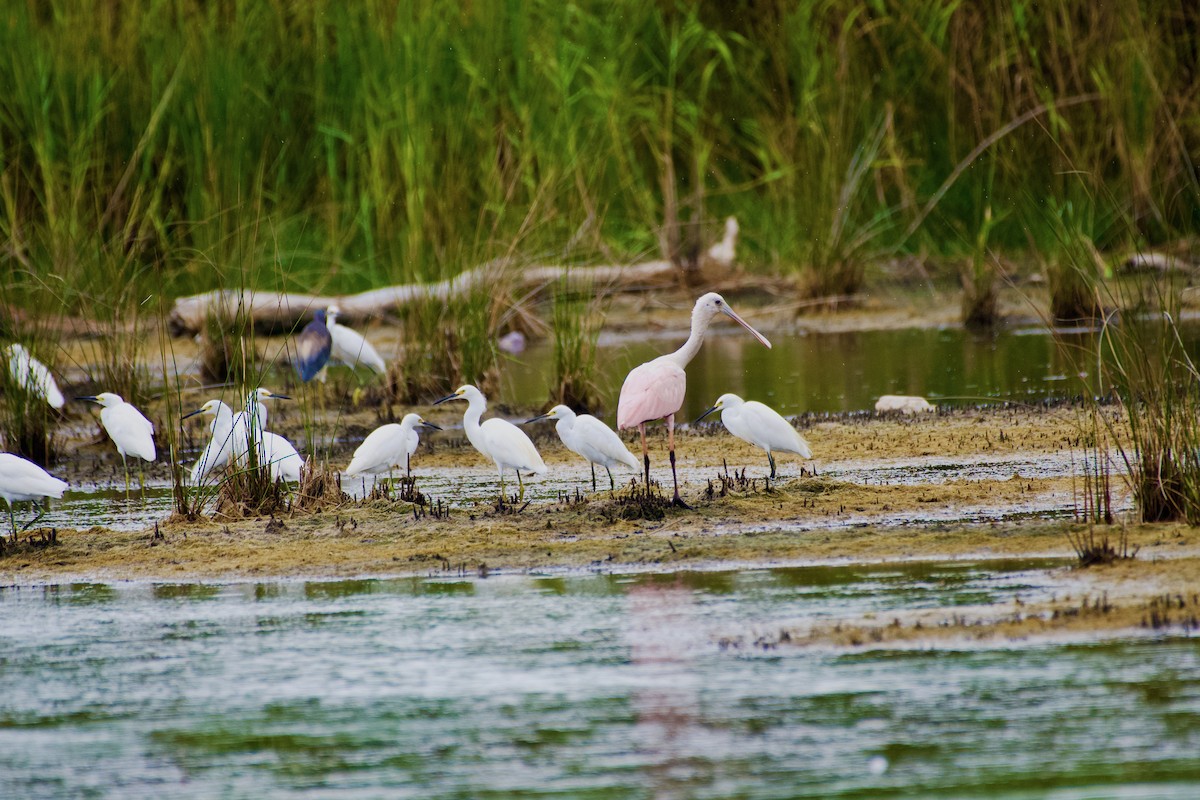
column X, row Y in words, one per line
column 724, row 251
column 498, row 439
column 129, row 430
column 32, row 375
column 313, row 345
column 349, row 347
column 654, row 390
column 251, row 421
column 388, row 446
column 278, row 453
column 592, row 439
column 22, row 480
column 219, row 450
column 760, row 425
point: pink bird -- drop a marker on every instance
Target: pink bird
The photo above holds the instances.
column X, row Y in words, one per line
column 654, row 390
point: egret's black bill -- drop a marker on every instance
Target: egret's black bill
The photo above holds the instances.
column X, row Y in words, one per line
column 447, row 397
column 705, row 414
column 193, row 413
column 538, row 418
column 431, row 426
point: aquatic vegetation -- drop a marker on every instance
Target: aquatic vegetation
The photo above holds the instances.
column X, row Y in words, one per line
column 576, row 318
column 365, row 143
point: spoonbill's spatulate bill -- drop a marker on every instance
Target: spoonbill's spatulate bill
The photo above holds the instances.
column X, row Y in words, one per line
column 760, row 425
column 498, row 439
column 589, row 437
column 23, row 481
column 655, row 390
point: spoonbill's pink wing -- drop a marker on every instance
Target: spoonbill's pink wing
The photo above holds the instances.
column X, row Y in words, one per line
column 651, row 391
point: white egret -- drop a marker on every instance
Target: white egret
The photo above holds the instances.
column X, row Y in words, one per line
column 128, row 428
column 760, row 425
column 22, row 480
column 32, row 375
column 277, row 453
column 655, row 390
column 349, row 347
column 388, row 446
column 498, row 439
column 592, row 439
column 219, row 450
column 251, row 421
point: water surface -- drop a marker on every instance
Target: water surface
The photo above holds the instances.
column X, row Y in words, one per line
column 570, row 685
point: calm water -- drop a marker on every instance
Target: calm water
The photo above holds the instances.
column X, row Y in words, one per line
column 832, row 372
column 600, row 686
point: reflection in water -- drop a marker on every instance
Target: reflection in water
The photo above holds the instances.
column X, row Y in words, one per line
column 575, row 686
column 833, row 372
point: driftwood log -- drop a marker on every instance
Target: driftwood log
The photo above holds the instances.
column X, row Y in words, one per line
column 279, row 311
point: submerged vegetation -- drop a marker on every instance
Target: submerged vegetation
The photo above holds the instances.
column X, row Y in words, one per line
column 319, row 145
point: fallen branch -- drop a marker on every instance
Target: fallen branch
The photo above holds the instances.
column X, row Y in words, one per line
column 277, row 311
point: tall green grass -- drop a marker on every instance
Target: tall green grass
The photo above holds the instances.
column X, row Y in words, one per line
column 332, row 146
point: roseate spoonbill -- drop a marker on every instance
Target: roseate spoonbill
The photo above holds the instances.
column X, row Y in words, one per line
column 760, row 425
column 22, row 480
column 313, row 346
column 592, row 439
column 349, row 347
column 129, row 430
column 654, row 390
column 32, row 375
column 498, row 439
column 388, row 446
column 219, row 450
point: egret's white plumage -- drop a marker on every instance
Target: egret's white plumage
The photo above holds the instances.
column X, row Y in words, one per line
column 28, row 372
column 761, row 426
column 350, row 347
column 23, row 481
column 278, row 453
column 589, row 437
column 498, row 439
column 724, row 251
column 219, row 450
column 128, row 428
column 387, row 446
column 251, row 421
column 655, row 390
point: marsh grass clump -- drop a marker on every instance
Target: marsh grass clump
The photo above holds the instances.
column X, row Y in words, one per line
column 1094, row 547
column 320, row 488
column 637, row 502
column 980, row 298
column 249, row 492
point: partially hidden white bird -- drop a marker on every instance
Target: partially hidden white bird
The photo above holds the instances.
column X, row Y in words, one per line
column 589, row 437
column 249, row 423
column 280, row 456
column 349, row 346
column 128, row 428
column 21, row 481
column 28, row 372
column 724, row 251
column 760, row 425
column 498, row 439
column 219, row 450
column 388, row 446
column 655, row 390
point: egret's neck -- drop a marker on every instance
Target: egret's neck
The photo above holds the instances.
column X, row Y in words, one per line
column 564, row 426
column 222, row 422
column 685, row 354
column 475, row 408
